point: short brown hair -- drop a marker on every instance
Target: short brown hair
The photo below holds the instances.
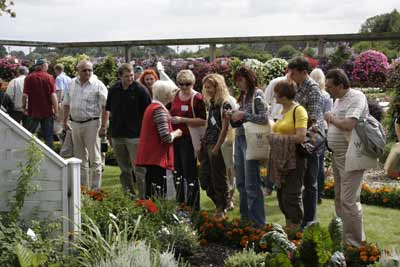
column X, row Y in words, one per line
column 59, row 67
column 286, row 88
column 299, row 63
column 123, row 68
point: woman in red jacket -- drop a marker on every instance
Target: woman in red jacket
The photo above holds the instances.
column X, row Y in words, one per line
column 155, row 149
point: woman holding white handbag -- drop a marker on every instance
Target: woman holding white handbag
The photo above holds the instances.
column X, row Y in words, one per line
column 188, row 114
column 253, row 110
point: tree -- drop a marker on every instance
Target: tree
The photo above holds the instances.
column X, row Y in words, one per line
column 5, row 7
column 388, row 22
column 3, row 51
column 17, row 54
column 287, row 52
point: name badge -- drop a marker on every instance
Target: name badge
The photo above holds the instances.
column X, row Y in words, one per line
column 184, row 108
column 213, row 121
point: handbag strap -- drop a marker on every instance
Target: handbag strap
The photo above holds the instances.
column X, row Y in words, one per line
column 294, row 115
column 191, row 103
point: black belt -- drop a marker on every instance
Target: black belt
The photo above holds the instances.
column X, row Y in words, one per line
column 91, row 119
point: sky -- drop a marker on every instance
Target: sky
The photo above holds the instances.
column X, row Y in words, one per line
column 105, row 20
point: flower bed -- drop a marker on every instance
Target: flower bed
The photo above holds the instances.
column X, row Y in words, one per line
column 383, row 196
column 293, row 247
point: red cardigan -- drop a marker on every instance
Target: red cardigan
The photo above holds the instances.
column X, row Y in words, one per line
column 151, row 151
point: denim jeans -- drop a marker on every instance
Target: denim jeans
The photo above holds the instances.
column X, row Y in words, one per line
column 46, row 126
column 248, row 182
column 310, row 192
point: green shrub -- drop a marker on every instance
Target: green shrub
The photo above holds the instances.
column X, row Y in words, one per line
column 107, row 71
column 287, row 52
column 70, row 62
column 246, row 258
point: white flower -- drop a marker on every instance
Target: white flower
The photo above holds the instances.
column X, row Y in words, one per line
column 165, row 230
column 31, row 234
column 112, row 216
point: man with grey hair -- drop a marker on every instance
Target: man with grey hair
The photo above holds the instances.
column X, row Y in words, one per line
column 127, row 100
column 39, row 100
column 84, row 104
column 15, row 90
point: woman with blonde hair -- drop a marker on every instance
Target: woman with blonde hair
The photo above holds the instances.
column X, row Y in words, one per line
column 213, row 170
column 318, row 76
column 187, row 110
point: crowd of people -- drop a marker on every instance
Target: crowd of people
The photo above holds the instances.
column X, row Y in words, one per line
column 158, row 128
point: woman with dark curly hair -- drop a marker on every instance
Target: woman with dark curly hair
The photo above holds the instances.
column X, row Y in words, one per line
column 248, row 180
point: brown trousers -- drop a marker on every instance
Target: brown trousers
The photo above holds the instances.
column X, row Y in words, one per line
column 290, row 193
column 213, row 176
column 347, row 200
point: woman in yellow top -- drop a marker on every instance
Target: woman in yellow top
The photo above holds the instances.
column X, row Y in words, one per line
column 294, row 124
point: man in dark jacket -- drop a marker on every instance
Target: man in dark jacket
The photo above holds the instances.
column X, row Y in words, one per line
column 126, row 102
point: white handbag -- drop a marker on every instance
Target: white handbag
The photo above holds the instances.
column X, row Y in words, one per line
column 196, row 133
column 258, row 147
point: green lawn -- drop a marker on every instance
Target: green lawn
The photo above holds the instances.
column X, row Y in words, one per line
column 381, row 224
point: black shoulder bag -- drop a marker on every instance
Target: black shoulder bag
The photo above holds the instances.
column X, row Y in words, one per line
column 314, row 139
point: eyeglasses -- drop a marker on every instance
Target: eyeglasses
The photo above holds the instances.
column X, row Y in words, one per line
column 87, row 70
column 185, row 84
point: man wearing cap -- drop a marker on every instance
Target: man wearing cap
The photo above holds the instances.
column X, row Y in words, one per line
column 39, row 101
column 84, row 104
column 138, row 70
column 15, row 90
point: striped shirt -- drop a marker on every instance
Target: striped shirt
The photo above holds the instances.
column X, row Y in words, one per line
column 86, row 100
column 259, row 115
column 160, row 118
column 352, row 105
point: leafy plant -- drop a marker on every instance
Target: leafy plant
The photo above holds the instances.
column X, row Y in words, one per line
column 278, row 242
column 246, row 258
column 28, row 169
column 370, row 69
column 70, row 62
column 183, row 238
column 287, row 52
column 27, row 258
column 277, row 260
column 94, row 246
column 107, row 71
column 274, row 68
column 316, row 246
column 336, row 233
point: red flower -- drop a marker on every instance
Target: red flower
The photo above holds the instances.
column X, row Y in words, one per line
column 148, row 204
